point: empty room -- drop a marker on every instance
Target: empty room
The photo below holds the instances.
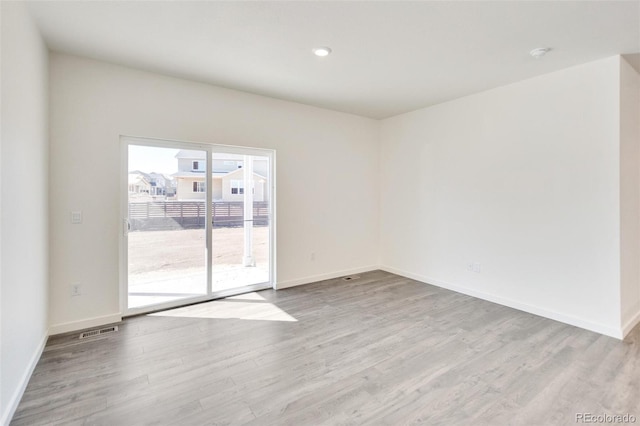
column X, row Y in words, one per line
column 320, row 213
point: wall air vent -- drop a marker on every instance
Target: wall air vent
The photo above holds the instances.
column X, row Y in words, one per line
column 99, row 332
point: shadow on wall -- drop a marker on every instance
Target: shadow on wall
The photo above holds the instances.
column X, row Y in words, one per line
column 634, row 60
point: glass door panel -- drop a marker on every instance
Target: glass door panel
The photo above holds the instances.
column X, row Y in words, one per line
column 241, row 254
column 166, row 238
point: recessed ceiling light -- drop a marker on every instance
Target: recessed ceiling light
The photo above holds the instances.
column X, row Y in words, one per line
column 322, row 51
column 539, row 52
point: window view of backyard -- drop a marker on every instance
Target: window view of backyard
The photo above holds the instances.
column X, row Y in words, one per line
column 167, row 217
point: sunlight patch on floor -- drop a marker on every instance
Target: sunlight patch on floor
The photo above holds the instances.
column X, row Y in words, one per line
column 166, row 286
column 249, row 306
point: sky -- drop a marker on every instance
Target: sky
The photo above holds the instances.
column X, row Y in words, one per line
column 153, row 159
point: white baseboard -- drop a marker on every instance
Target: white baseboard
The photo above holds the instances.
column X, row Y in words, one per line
column 83, row 324
column 536, row 310
column 322, row 277
column 14, row 400
column 629, row 325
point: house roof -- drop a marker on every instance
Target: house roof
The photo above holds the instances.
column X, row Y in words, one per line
column 137, row 179
column 241, row 171
column 215, row 175
column 201, row 155
column 191, row 154
column 198, row 174
column 162, row 175
column 140, row 173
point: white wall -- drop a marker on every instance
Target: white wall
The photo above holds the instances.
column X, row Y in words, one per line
column 93, row 103
column 630, row 194
column 522, row 179
column 24, row 195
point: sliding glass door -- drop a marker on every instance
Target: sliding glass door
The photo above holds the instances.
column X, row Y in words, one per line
column 166, row 256
column 197, row 222
column 241, row 206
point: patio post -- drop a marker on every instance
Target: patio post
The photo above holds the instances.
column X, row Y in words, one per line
column 248, row 259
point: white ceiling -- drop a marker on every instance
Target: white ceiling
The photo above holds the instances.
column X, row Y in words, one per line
column 388, row 57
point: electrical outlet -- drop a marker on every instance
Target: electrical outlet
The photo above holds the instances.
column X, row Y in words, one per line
column 76, row 290
column 76, row 217
column 313, row 256
column 476, row 267
column 470, row 267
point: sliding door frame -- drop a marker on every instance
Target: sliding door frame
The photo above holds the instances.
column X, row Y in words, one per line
column 210, row 149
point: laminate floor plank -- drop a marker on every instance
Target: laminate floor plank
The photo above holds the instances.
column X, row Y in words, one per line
column 377, row 350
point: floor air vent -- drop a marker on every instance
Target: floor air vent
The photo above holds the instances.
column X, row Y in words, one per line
column 350, row 277
column 99, row 332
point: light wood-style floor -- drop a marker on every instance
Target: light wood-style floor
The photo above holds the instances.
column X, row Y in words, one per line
column 381, row 350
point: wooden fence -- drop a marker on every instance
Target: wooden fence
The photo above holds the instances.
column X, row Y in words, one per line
column 165, row 215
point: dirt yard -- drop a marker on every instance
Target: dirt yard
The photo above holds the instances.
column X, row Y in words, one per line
column 171, row 251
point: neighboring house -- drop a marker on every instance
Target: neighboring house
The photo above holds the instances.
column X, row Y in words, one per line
column 162, row 184
column 139, row 183
column 152, row 184
column 227, row 177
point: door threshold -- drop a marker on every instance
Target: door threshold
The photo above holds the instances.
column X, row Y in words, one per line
column 213, row 296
